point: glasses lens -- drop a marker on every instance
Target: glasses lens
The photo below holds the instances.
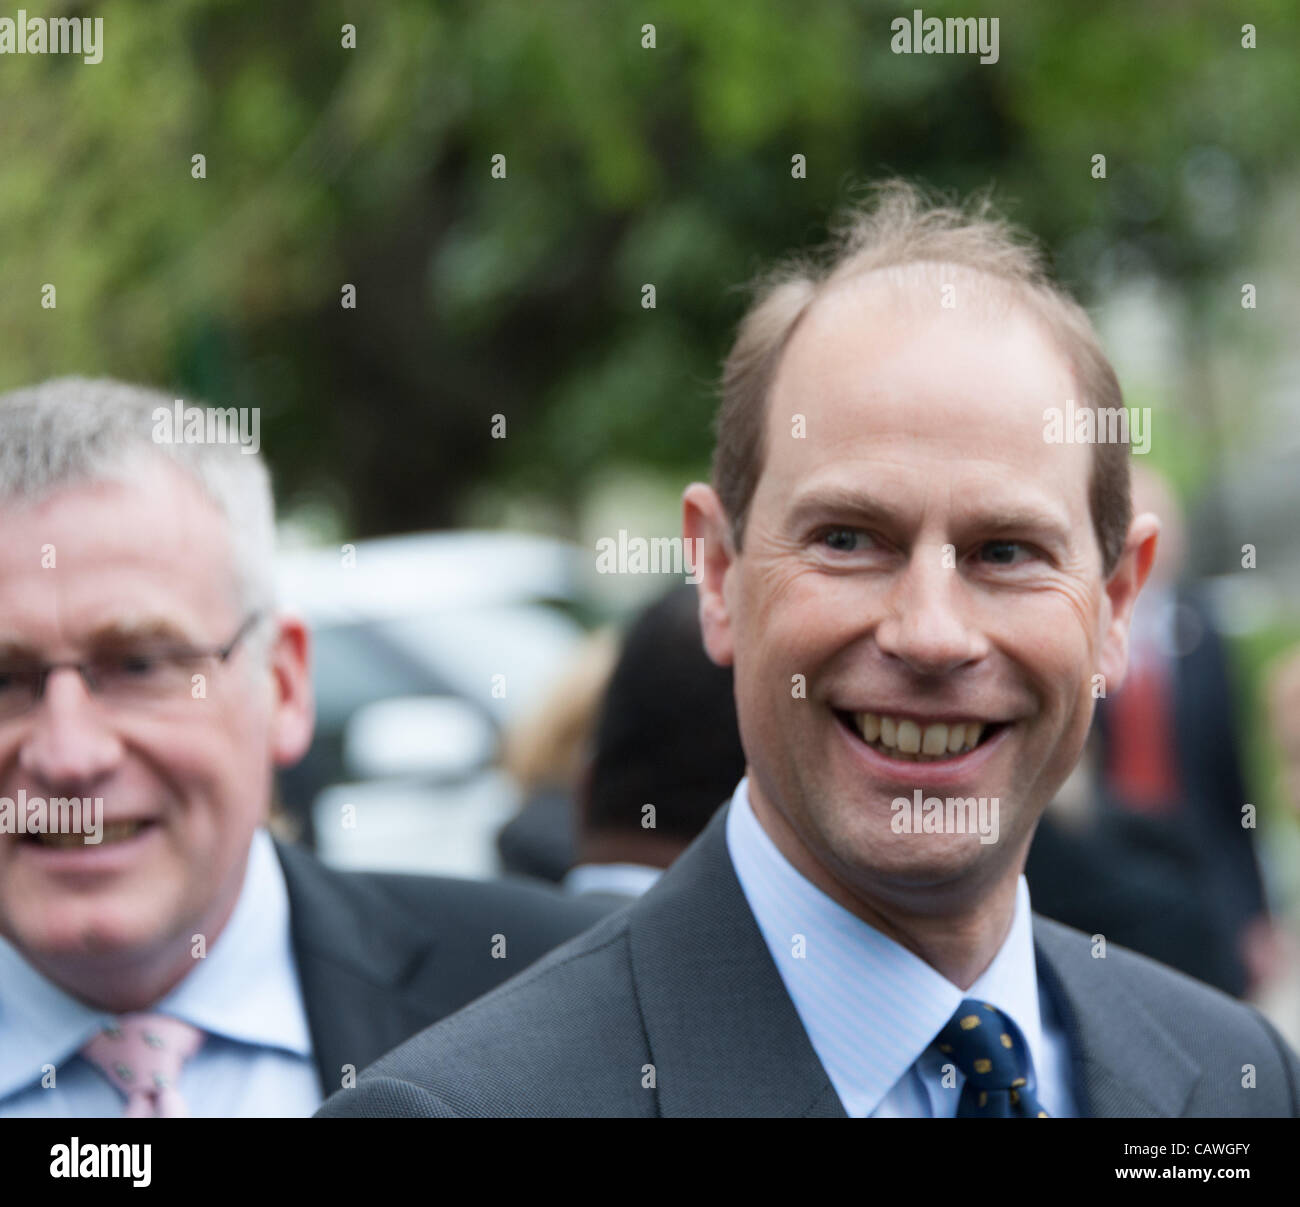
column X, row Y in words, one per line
column 144, row 676
column 17, row 690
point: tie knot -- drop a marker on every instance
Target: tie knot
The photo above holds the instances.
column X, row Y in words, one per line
column 142, row 1055
column 986, row 1046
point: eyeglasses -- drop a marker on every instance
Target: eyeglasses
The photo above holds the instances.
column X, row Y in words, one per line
column 136, row 676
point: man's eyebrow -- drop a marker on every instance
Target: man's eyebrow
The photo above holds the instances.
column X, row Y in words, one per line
column 13, row 649
column 146, row 629
column 114, row 635
column 817, row 503
column 827, row 502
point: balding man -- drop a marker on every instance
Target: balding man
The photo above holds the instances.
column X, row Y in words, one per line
column 922, row 569
column 160, row 954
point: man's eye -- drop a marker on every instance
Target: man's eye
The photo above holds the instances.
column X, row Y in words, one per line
column 844, row 540
column 1003, row 553
column 139, row 665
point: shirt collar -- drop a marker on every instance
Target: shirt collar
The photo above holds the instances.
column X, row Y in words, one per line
column 245, row 989
column 871, row 1007
column 247, row 986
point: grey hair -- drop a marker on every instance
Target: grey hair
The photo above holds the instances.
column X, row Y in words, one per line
column 74, row 430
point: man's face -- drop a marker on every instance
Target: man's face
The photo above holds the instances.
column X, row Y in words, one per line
column 134, row 566
column 915, row 556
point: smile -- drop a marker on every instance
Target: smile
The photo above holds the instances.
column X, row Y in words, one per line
column 114, row 832
column 918, row 742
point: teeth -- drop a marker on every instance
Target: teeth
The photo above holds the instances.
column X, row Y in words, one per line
column 904, row 739
column 935, row 740
column 111, row 833
column 62, row 841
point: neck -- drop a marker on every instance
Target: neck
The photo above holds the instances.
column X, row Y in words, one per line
column 957, row 929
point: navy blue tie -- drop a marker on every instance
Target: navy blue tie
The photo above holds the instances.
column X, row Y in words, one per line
column 989, row 1049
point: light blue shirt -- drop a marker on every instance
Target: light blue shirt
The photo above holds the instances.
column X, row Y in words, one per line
column 871, row 1008
column 622, row 879
column 256, row 1058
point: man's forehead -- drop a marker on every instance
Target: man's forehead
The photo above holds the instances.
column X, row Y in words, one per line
column 94, row 554
column 917, row 390
column 880, row 306
column 149, row 501
column 863, row 365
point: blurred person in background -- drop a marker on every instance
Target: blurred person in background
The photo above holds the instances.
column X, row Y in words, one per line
column 1284, row 721
column 168, row 956
column 658, row 729
column 667, row 753
column 1170, row 749
column 1130, row 878
column 547, row 754
column 1283, row 708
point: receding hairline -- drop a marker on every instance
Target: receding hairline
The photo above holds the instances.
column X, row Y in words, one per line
column 995, row 296
column 906, row 278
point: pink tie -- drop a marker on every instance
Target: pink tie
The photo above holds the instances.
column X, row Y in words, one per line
column 142, row 1055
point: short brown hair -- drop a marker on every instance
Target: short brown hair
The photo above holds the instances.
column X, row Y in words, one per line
column 900, row 227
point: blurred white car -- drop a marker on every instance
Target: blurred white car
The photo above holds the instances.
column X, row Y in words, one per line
column 425, row 646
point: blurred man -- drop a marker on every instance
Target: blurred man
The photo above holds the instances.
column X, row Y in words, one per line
column 547, row 753
column 917, row 585
column 159, row 953
column 666, row 751
column 1284, row 720
column 1171, row 758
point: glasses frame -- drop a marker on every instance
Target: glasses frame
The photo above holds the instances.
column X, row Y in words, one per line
column 222, row 653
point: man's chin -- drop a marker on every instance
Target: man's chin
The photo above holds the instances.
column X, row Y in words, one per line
column 877, row 859
column 117, row 937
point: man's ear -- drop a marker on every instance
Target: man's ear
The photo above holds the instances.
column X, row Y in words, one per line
column 293, row 717
column 1121, row 592
column 708, row 541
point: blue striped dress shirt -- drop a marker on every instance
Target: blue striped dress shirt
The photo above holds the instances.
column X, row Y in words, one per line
column 845, row 972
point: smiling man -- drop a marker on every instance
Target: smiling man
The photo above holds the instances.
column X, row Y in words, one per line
column 167, row 956
column 922, row 597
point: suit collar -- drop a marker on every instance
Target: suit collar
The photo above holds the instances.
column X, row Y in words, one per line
column 694, row 929
column 1112, row 1037
column 357, row 953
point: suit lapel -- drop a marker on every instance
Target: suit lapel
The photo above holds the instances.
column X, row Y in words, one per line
column 1124, row 1063
column 712, row 999
column 355, row 965
column 724, row 1036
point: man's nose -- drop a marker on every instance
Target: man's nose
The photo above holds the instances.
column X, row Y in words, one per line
column 927, row 625
column 69, row 745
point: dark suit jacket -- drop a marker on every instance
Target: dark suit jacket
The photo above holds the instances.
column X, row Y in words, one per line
column 1206, row 726
column 381, row 956
column 680, row 987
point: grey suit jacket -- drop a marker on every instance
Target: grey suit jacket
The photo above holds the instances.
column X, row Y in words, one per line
column 674, row 1007
column 380, row 956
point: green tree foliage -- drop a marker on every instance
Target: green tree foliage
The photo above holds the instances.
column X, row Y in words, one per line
column 626, row 166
